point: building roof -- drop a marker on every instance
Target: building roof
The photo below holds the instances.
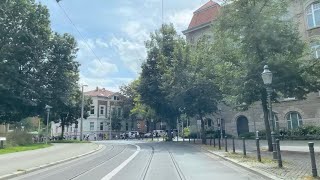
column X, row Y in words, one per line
column 204, row 15
column 99, row 93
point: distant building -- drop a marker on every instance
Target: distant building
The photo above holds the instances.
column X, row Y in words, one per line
column 105, row 103
column 289, row 113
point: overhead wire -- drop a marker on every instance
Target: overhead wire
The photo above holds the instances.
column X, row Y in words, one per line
column 82, row 37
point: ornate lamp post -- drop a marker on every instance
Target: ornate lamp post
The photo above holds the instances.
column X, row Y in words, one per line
column 48, row 113
column 267, row 80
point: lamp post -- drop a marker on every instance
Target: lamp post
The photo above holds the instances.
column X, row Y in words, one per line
column 267, row 80
column 81, row 123
column 48, row 113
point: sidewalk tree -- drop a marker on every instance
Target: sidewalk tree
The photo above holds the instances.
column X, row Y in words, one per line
column 193, row 86
column 24, row 35
column 62, row 75
column 250, row 34
column 160, row 55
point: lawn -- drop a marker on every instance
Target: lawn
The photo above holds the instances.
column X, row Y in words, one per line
column 23, row 148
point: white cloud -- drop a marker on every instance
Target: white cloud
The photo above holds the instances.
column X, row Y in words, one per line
column 181, row 19
column 131, row 53
column 101, row 69
column 101, row 43
column 112, row 84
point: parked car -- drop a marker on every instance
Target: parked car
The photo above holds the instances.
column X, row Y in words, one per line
column 147, row 135
column 133, row 134
column 159, row 133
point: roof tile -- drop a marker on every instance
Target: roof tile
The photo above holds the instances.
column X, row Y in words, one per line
column 205, row 14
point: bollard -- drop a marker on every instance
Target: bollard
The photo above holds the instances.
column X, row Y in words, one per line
column 189, row 139
column 183, row 138
column 313, row 159
column 211, row 140
column 1, row 145
column 219, row 143
column 233, row 146
column 244, row 146
column 214, row 142
column 258, row 149
column 151, row 137
column 226, row 144
column 279, row 153
column 194, row 140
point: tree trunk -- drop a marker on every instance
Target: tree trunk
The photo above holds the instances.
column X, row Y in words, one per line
column 266, row 120
column 62, row 128
column 202, row 131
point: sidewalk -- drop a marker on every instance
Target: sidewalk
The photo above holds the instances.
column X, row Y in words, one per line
column 22, row 161
column 295, row 156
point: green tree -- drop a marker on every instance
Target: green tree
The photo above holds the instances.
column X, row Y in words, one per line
column 193, row 86
column 160, row 54
column 250, row 34
column 24, row 36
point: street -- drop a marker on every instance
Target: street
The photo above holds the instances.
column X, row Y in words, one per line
column 121, row 160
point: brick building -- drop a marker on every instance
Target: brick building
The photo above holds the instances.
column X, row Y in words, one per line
column 289, row 113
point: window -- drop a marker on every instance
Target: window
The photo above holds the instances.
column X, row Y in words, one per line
column 315, row 47
column 119, row 112
column 102, row 110
column 313, row 15
column 101, row 126
column 92, row 110
column 294, row 120
column 91, row 126
column 116, row 98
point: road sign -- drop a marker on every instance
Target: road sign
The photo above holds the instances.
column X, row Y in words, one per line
column 3, row 138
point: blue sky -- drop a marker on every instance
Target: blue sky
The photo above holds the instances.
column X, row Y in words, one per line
column 116, row 31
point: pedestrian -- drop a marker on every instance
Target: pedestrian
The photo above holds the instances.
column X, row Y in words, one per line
column 95, row 136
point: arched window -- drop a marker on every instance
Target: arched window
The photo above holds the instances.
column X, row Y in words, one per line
column 313, row 15
column 294, row 120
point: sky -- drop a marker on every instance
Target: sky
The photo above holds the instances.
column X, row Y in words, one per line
column 115, row 30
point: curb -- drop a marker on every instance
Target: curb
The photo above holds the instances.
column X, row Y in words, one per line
column 19, row 173
column 251, row 169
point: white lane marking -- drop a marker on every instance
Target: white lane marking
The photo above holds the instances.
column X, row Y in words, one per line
column 122, row 165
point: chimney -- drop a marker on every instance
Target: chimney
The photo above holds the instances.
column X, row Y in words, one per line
column 97, row 88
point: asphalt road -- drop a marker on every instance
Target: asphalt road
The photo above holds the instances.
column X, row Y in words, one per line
column 134, row 160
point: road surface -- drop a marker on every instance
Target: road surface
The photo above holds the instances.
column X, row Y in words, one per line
column 134, row 160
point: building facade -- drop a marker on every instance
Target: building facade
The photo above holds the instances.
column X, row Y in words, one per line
column 289, row 113
column 105, row 106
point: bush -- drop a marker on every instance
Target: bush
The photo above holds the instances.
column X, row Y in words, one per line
column 19, row 138
column 186, row 132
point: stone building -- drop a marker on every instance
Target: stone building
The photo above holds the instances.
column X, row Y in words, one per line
column 289, row 113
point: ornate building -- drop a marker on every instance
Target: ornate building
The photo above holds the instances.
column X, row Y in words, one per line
column 289, row 113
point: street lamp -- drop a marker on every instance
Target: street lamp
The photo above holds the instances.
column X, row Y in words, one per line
column 267, row 80
column 82, row 102
column 47, row 107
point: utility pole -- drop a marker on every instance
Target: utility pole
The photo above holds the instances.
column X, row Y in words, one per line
column 81, row 124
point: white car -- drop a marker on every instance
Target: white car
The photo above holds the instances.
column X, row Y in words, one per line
column 132, row 134
column 159, row 133
column 147, row 135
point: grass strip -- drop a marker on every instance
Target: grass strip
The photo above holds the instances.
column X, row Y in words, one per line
column 29, row 147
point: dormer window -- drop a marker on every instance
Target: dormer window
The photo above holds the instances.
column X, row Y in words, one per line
column 116, row 98
column 313, row 15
